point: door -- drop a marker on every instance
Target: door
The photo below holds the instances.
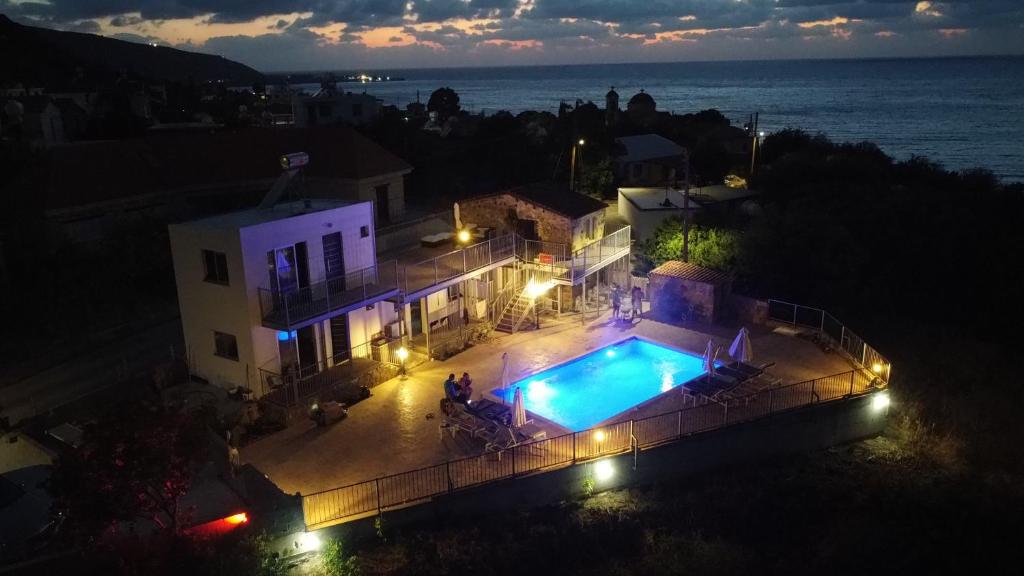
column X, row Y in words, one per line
column 306, row 343
column 339, row 338
column 416, row 317
column 334, row 262
column 383, row 205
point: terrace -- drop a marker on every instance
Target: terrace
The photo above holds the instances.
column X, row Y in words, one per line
column 402, row 417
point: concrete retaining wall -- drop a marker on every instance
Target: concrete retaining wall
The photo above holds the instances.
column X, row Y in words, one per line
column 802, row 430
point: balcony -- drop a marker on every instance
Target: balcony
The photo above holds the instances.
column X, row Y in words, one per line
column 442, row 269
column 549, row 260
column 300, row 307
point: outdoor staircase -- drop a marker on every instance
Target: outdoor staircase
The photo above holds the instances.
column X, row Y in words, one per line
column 515, row 313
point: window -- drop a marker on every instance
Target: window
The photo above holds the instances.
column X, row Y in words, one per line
column 364, row 231
column 216, row 267
column 225, row 346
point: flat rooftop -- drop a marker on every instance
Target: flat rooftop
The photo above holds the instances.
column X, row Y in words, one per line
column 652, row 198
column 254, row 216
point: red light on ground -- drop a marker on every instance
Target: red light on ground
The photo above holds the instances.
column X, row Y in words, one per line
column 240, row 518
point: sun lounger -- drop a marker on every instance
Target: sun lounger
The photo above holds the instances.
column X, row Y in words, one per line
column 749, row 369
column 490, row 410
column 458, row 419
column 507, row 437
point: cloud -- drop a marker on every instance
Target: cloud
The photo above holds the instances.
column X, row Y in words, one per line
column 263, row 33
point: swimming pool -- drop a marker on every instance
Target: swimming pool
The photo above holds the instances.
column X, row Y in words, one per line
column 590, row 389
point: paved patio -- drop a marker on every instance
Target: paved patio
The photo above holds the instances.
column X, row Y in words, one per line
column 396, row 429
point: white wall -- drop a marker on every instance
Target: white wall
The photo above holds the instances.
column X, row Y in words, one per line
column 235, row 309
column 206, row 307
column 309, row 228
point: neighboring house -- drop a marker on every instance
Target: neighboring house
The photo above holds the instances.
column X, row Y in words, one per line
column 682, row 290
column 645, row 208
column 647, row 160
column 539, row 212
column 290, row 290
column 33, row 119
column 169, row 175
column 334, row 107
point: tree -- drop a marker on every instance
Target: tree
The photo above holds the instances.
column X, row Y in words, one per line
column 445, row 102
column 710, row 247
column 134, row 465
column 598, row 180
column 710, row 163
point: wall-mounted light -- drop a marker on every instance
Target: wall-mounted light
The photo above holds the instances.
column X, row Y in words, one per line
column 880, row 401
column 603, row 470
column 463, row 236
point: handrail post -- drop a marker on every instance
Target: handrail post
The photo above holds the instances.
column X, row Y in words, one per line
column 574, row 447
column 851, row 382
column 813, row 395
column 448, row 473
column 771, row 401
column 679, row 423
column 465, row 266
column 725, row 414
column 376, row 484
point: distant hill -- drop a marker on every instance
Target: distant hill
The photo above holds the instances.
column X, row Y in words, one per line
column 56, row 60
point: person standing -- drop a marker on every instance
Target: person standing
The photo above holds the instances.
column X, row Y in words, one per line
column 636, row 298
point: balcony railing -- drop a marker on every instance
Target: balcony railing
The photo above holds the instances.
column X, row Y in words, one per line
column 442, row 268
column 598, row 253
column 284, row 310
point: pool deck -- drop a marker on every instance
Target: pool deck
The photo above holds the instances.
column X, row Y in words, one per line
column 396, row 429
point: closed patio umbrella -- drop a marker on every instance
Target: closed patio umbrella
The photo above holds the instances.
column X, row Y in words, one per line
column 506, row 375
column 709, row 360
column 518, row 409
column 740, row 349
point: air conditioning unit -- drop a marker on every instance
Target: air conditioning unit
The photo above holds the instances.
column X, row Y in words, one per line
column 393, row 331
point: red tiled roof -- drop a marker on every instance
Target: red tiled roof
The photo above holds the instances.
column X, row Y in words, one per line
column 93, row 172
column 690, row 271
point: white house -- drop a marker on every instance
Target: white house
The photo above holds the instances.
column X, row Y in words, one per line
column 285, row 291
column 647, row 160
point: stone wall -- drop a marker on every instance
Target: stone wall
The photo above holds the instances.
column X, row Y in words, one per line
column 494, row 212
column 672, row 297
column 747, row 310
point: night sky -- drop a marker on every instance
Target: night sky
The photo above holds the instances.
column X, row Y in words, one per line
column 316, row 34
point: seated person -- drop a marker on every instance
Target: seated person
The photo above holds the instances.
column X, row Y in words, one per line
column 466, row 386
column 451, row 387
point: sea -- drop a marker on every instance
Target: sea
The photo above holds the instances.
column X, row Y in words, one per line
column 960, row 112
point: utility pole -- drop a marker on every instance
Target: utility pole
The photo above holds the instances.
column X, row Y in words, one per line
column 572, row 165
column 753, row 148
column 686, row 206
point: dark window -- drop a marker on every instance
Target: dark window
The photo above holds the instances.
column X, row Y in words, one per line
column 364, row 231
column 216, row 267
column 357, row 110
column 334, row 258
column 225, row 346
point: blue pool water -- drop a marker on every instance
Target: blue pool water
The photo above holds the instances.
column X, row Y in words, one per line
column 590, row 389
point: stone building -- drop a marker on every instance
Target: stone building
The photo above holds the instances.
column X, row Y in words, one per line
column 539, row 212
column 684, row 290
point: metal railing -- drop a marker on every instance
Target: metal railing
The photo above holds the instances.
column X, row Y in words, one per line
column 599, row 253
column 442, row 268
column 835, row 333
column 306, row 381
column 286, row 309
column 374, row 496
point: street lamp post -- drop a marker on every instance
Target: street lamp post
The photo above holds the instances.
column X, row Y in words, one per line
column 572, row 168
